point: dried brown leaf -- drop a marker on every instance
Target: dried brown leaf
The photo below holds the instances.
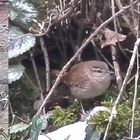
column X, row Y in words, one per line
column 111, row 38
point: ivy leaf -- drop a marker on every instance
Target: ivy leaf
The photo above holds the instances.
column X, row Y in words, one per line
column 19, row 42
column 19, row 127
column 38, row 123
column 13, row 14
column 15, row 72
column 92, row 134
column 22, row 10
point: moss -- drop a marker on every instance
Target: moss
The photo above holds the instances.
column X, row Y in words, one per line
column 62, row 117
column 121, row 123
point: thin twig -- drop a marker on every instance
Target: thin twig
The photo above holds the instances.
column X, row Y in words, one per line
column 12, row 114
column 102, row 55
column 53, row 22
column 132, row 11
column 136, row 11
column 41, row 33
column 135, row 97
column 114, row 51
column 63, row 47
column 31, row 82
column 131, row 79
column 136, row 81
column 116, row 67
column 138, row 23
column 22, row 120
column 47, row 64
column 119, row 4
column 36, row 72
column 37, row 78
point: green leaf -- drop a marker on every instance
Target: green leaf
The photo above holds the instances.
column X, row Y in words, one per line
column 38, row 123
column 22, row 11
column 19, row 127
column 92, row 134
column 12, row 14
column 15, row 72
column 19, row 42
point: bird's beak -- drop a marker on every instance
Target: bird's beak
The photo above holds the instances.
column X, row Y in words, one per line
column 112, row 74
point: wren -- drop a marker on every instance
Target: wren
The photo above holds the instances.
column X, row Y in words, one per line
column 88, row 79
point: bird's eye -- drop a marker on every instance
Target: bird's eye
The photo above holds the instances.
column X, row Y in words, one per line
column 97, row 70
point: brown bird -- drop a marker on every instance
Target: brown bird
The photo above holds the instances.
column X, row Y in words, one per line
column 88, row 79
